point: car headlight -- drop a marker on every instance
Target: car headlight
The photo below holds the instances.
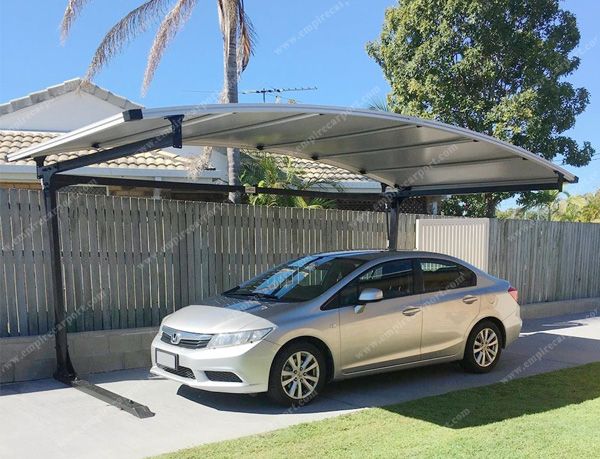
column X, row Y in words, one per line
column 234, row 339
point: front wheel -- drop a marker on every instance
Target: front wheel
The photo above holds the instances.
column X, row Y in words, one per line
column 483, row 348
column 297, row 374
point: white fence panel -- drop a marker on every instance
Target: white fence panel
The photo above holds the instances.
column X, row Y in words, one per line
column 464, row 238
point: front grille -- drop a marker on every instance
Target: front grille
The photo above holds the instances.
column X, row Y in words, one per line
column 222, row 376
column 187, row 340
column 184, row 372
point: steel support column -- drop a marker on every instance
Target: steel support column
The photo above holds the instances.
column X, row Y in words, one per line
column 394, row 219
column 64, row 368
column 49, row 175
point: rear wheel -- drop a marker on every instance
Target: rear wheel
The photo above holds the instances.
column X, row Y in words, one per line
column 483, row 348
column 297, row 374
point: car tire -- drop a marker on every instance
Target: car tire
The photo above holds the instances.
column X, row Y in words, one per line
column 483, row 348
column 289, row 383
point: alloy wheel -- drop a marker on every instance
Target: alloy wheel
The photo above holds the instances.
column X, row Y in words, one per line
column 485, row 347
column 300, row 375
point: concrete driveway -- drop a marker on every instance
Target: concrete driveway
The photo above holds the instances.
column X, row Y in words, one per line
column 45, row 418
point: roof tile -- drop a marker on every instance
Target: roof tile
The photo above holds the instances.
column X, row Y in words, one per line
column 11, row 141
column 313, row 170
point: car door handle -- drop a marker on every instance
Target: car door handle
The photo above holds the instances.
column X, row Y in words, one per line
column 469, row 299
column 411, row 311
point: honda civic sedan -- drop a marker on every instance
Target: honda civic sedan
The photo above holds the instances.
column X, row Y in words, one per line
column 337, row 315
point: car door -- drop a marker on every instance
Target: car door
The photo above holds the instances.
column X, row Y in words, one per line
column 449, row 302
column 386, row 332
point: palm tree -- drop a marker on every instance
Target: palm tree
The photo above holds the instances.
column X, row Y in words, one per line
column 543, row 205
column 591, row 210
column 238, row 44
column 265, row 170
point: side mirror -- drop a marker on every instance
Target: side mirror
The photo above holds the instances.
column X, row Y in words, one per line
column 368, row 295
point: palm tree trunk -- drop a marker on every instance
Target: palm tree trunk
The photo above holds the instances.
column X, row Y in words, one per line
column 230, row 95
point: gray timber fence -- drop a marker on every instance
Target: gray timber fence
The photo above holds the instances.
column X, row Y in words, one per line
column 127, row 262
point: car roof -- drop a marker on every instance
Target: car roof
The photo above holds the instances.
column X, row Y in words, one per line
column 382, row 254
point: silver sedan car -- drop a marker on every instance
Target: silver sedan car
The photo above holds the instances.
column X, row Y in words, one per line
column 337, row 315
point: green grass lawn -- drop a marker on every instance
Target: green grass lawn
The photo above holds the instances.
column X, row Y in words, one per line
column 550, row 415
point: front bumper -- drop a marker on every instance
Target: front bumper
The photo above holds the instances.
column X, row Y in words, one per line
column 251, row 363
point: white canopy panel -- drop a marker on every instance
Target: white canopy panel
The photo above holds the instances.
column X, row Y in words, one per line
column 400, row 151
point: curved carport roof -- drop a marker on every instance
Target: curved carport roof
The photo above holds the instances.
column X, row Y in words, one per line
column 400, row 151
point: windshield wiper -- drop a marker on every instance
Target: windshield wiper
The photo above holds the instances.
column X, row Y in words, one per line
column 259, row 295
column 266, row 296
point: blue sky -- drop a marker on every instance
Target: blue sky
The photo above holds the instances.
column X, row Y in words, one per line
column 308, row 43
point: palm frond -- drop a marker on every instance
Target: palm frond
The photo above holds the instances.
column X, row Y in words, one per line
column 134, row 23
column 72, row 10
column 221, row 13
column 380, row 105
column 232, row 16
column 199, row 163
column 246, row 38
column 169, row 27
column 274, row 171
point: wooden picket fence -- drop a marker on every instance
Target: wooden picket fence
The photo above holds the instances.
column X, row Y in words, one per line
column 547, row 261
column 128, row 262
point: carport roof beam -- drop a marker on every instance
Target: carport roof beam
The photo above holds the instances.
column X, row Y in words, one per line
column 265, row 124
column 415, row 146
column 449, row 164
column 344, row 136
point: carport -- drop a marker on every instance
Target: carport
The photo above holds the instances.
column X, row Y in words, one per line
column 409, row 156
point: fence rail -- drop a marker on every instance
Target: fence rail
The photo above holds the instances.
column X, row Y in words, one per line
column 127, row 262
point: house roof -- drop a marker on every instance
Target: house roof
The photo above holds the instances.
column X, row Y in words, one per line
column 76, row 84
column 11, row 141
column 313, row 170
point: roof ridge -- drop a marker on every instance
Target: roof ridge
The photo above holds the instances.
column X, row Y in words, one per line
column 4, row 131
column 72, row 85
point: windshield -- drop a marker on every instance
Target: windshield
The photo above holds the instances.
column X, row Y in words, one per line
column 299, row 280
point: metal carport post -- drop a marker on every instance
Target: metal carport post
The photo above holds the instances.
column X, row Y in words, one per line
column 50, row 186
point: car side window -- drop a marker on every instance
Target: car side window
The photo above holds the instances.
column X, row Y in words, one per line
column 393, row 278
column 445, row 275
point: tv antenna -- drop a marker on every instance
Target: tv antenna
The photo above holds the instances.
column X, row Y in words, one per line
column 276, row 91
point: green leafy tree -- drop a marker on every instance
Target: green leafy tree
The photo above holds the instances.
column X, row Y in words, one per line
column 265, row 170
column 497, row 67
column 557, row 206
column 545, row 203
column 579, row 208
column 541, row 199
column 591, row 210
